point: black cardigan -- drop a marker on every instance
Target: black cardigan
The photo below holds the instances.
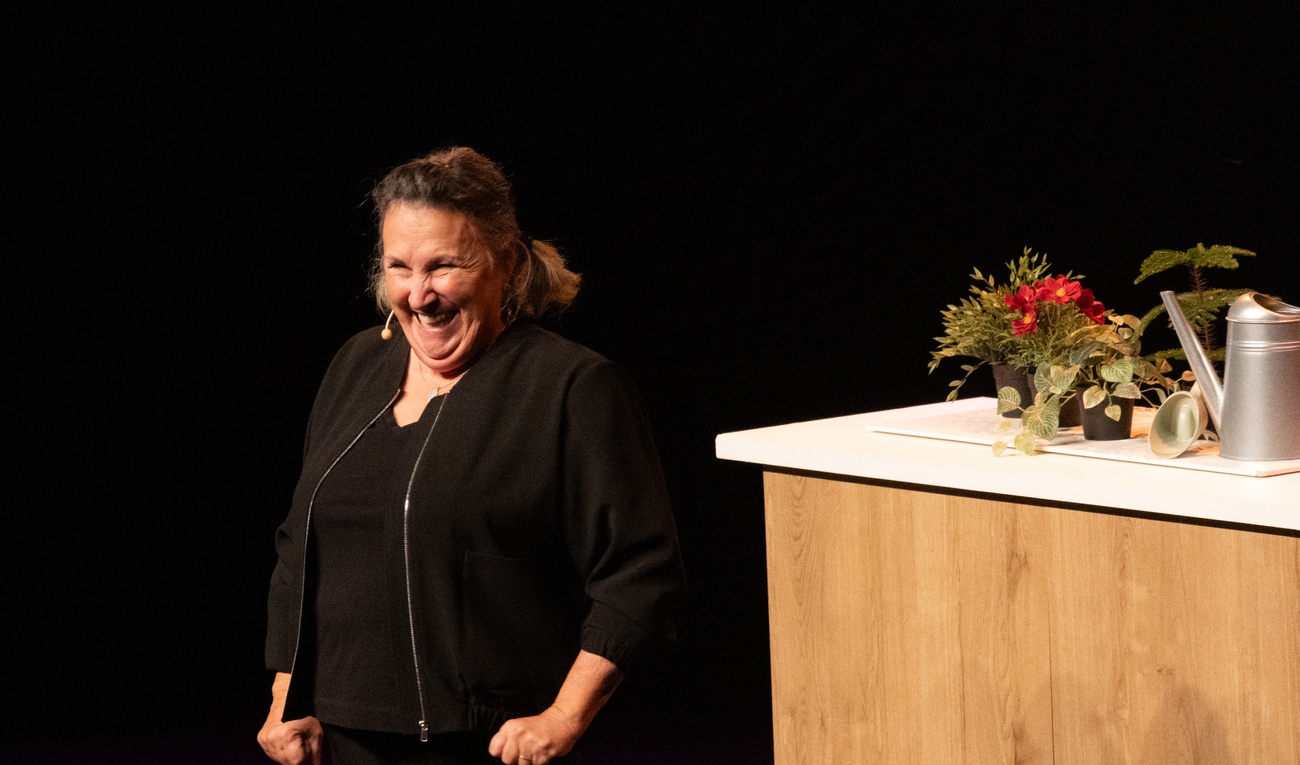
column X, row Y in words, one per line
column 538, row 524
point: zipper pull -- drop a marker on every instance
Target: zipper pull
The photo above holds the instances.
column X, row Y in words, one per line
column 424, row 732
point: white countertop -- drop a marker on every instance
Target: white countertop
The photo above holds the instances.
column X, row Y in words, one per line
column 850, row 446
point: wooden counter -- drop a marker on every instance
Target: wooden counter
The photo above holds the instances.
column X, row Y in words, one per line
column 932, row 603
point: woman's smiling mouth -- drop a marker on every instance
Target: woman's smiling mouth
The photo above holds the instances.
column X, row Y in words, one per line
column 440, row 319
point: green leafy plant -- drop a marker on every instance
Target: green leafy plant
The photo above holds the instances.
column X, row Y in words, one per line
column 1202, row 304
column 1111, row 366
column 1093, row 352
column 979, row 326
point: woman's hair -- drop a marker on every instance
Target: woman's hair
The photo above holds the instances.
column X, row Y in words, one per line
column 461, row 180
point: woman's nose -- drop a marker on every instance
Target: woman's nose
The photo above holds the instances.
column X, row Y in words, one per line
column 421, row 293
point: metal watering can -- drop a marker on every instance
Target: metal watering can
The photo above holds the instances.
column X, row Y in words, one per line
column 1256, row 408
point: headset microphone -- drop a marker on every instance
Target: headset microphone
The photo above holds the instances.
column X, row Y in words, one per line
column 387, row 333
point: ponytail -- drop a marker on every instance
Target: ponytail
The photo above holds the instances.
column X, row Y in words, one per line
column 542, row 284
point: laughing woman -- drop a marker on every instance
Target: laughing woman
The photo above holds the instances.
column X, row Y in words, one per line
column 480, row 542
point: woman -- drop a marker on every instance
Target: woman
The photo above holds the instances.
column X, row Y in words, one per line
column 480, row 541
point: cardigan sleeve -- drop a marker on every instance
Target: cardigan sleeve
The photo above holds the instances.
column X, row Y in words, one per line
column 619, row 526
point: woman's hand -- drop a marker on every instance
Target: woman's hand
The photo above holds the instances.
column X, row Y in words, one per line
column 539, row 739
column 536, row 740
column 296, row 742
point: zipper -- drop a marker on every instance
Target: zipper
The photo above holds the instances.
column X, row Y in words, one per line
column 406, row 551
column 302, row 588
column 406, row 563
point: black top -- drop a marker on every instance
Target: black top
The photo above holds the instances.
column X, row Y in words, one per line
column 357, row 681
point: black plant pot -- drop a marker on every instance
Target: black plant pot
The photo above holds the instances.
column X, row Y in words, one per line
column 1072, row 413
column 1005, row 376
column 1098, row 427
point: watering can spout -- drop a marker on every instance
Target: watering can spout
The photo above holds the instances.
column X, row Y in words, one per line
column 1210, row 386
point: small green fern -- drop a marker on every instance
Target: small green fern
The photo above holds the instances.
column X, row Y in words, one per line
column 1201, row 304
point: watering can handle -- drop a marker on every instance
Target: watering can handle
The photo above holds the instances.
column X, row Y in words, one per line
column 1210, row 387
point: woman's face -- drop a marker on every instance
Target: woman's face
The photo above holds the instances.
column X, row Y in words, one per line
column 447, row 299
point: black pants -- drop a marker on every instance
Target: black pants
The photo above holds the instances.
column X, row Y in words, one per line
column 348, row 746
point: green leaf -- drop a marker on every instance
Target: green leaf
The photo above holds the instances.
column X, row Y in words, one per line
column 1042, row 422
column 1118, row 372
column 1008, row 400
column 1150, row 316
column 1093, row 396
column 1025, row 443
column 1062, row 377
column 1041, row 381
column 1215, row 256
column 1081, row 354
column 1127, row 390
column 1207, row 303
column 1129, row 320
column 1218, row 354
column 1113, row 412
column 1200, row 256
column 1161, row 260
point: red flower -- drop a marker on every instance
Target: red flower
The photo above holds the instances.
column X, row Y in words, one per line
column 1090, row 307
column 1058, row 289
column 1027, row 323
column 1023, row 300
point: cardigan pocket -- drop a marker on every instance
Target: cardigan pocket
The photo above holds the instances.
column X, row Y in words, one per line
column 519, row 642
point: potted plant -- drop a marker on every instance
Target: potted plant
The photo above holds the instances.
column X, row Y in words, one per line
column 979, row 326
column 1113, row 375
column 1053, row 317
column 1099, row 363
column 1202, row 303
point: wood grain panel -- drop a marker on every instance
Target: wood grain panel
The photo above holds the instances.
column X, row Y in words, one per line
column 915, row 627
column 1174, row 643
column 1006, row 570
column 904, row 628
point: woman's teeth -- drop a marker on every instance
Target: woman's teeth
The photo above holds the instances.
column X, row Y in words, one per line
column 435, row 320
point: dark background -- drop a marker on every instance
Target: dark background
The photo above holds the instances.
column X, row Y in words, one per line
column 769, row 208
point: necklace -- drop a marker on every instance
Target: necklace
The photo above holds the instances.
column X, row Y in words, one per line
column 436, row 390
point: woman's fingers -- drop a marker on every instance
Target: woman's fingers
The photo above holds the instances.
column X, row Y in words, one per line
column 297, row 742
column 534, row 740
